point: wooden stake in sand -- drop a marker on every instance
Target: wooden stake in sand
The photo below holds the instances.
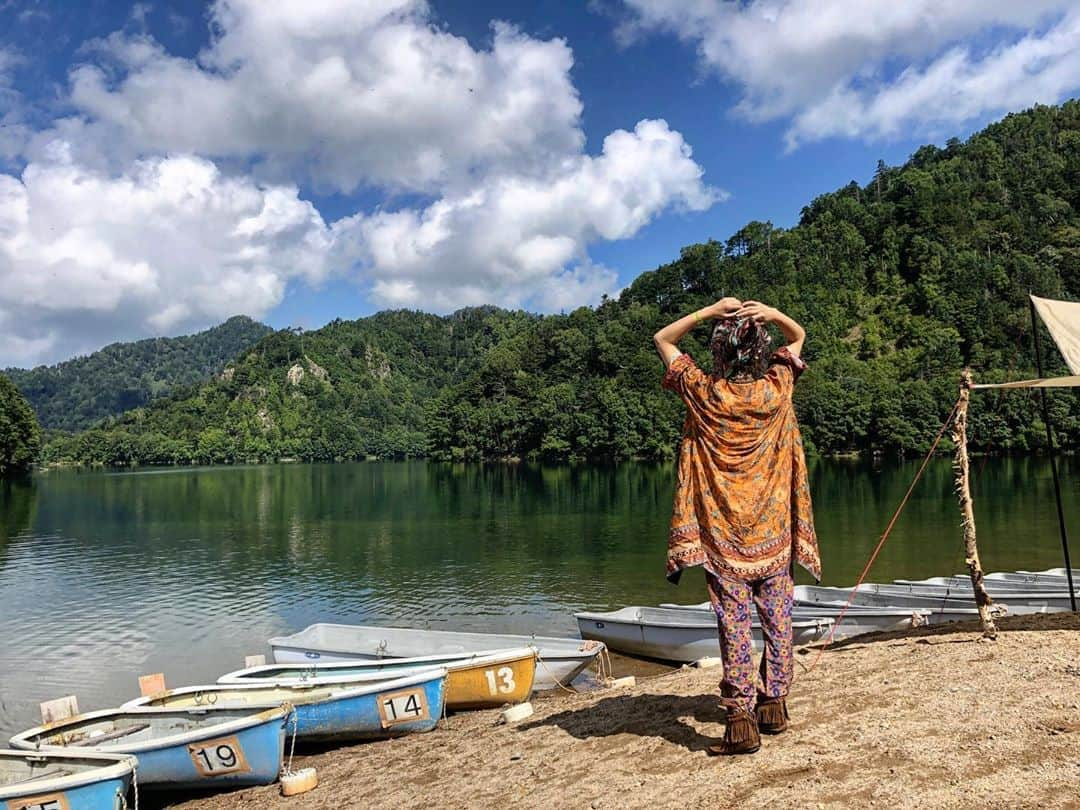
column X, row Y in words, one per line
column 963, row 491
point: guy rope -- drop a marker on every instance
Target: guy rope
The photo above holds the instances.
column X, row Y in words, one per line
column 890, row 526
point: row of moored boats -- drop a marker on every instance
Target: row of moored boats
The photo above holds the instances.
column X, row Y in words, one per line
column 345, row 683
column 687, row 633
column 330, row 684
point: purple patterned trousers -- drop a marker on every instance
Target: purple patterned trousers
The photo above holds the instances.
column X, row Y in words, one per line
column 731, row 600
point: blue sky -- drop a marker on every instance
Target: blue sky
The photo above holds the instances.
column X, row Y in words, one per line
column 314, row 159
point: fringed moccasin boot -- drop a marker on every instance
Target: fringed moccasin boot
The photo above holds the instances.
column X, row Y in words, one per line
column 772, row 715
column 741, row 735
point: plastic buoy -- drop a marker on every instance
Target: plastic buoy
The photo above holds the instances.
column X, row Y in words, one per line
column 515, row 713
column 629, row 680
column 709, row 662
column 300, row 781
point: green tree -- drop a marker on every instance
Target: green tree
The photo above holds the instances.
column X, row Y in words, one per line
column 20, row 435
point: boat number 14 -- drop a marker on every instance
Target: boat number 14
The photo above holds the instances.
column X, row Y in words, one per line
column 403, row 707
column 500, row 681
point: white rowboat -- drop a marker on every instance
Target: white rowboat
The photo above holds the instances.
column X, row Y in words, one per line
column 1019, row 601
column 1038, row 580
column 559, row 660
column 942, row 607
column 674, row 635
column 1004, row 587
column 858, row 619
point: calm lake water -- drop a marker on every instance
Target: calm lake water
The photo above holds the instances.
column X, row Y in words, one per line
column 108, row 575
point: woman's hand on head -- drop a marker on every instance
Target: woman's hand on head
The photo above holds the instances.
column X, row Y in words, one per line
column 725, row 307
column 761, row 313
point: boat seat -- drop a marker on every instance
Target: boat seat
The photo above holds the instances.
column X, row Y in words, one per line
column 49, row 774
column 112, row 735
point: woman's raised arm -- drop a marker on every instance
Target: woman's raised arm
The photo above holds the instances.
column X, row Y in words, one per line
column 667, row 338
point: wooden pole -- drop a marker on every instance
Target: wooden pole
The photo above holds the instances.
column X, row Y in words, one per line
column 963, row 491
column 1053, row 457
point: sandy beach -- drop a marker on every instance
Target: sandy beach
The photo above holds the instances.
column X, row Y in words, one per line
column 932, row 717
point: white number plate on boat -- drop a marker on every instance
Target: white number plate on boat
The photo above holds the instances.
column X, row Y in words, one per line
column 218, row 757
column 50, row 801
column 403, row 707
column 501, row 681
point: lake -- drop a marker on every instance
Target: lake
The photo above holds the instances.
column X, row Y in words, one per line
column 108, row 575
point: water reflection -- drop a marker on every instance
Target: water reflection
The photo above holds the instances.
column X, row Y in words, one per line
column 18, row 503
column 104, row 576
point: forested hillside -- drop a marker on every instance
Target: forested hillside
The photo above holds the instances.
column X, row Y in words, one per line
column 900, row 283
column 77, row 393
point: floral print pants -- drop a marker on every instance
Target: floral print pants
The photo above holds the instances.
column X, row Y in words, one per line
column 731, row 600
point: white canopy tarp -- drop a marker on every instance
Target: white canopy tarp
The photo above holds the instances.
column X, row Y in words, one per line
column 1062, row 318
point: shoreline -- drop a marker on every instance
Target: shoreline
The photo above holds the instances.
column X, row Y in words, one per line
column 853, row 456
column 929, row 717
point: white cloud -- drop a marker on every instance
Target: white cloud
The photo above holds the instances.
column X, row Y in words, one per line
column 808, row 60
column 347, row 93
column 952, row 89
column 169, row 198
column 510, row 239
column 171, row 244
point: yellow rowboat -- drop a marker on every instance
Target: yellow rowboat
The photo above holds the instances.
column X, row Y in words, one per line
column 474, row 680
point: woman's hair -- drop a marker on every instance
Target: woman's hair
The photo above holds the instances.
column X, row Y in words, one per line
column 740, row 346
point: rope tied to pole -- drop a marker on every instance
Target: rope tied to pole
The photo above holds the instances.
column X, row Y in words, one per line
column 885, row 536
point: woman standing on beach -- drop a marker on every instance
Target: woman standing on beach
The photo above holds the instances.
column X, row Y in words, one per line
column 742, row 501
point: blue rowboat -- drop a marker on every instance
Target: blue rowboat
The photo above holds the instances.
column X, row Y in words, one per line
column 175, row 748
column 388, row 707
column 31, row 780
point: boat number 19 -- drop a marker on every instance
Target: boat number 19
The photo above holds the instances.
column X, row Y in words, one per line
column 500, row 681
column 53, row 801
column 218, row 757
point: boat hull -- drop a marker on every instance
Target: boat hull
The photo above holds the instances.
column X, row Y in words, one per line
column 327, row 714
column 1033, row 579
column 472, row 682
column 998, row 588
column 559, row 661
column 238, row 753
column 856, row 621
column 100, row 787
column 484, row 687
column 1017, row 602
column 954, row 607
column 673, row 635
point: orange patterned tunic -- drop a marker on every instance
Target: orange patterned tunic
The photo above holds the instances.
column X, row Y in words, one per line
column 742, row 498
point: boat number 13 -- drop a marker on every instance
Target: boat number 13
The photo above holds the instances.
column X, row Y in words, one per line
column 501, row 680
column 217, row 757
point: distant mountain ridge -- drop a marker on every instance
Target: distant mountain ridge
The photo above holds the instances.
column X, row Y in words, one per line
column 900, row 283
column 78, row 393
